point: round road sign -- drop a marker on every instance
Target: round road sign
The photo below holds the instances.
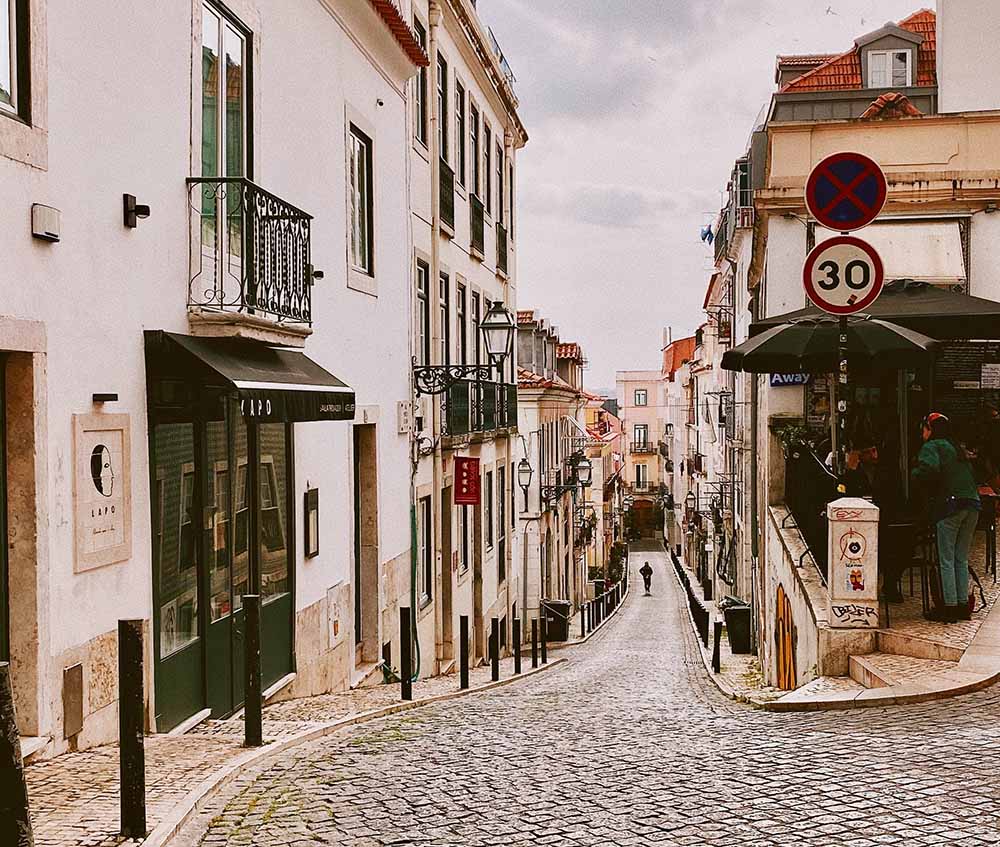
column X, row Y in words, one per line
column 843, row 275
column 846, row 191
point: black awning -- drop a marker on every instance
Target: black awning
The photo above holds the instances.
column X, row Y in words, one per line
column 270, row 383
column 935, row 312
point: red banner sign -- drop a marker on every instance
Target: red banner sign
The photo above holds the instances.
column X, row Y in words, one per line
column 466, row 481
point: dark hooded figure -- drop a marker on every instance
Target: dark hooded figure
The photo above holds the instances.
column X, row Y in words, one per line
column 647, row 575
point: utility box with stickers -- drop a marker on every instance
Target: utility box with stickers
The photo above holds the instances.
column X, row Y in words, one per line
column 852, row 572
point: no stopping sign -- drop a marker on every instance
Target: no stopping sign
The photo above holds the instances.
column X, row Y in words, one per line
column 843, row 275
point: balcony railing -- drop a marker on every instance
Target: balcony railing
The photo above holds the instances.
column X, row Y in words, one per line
column 471, row 407
column 447, row 199
column 477, row 226
column 643, row 447
column 501, row 249
column 250, row 253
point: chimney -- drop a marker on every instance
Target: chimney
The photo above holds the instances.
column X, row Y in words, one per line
column 668, row 336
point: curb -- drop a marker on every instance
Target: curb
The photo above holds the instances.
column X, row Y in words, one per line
column 164, row 832
column 562, row 645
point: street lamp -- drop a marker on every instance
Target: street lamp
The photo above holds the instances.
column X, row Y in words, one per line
column 584, row 472
column 524, row 473
column 498, row 328
column 582, row 475
column 690, row 502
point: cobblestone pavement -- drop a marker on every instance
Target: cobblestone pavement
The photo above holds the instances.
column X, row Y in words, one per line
column 628, row 744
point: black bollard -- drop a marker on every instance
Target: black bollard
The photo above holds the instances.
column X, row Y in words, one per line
column 131, row 753
column 495, row 649
column 405, row 654
column 253, row 707
column 463, row 651
column 717, row 647
column 15, row 823
column 534, row 642
column 545, row 640
column 517, row 645
column 583, row 621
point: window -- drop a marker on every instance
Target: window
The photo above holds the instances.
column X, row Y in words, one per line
column 488, row 509
column 14, row 89
column 459, row 133
column 462, row 341
column 444, row 305
column 425, row 529
column 474, row 148
column 513, row 505
column 889, row 69
column 502, row 523
column 423, row 350
column 463, row 538
column 487, row 175
column 223, row 127
column 477, row 341
column 442, row 95
column 641, row 397
column 510, row 193
column 420, row 88
column 499, row 183
column 186, row 547
column 640, row 435
column 362, row 213
column 641, row 477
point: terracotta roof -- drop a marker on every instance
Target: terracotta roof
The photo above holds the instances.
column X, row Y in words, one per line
column 806, row 59
column 529, row 379
column 843, row 72
column 891, row 105
column 525, row 316
column 389, row 12
column 569, row 351
column 676, row 354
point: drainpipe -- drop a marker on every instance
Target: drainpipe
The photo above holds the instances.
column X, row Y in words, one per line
column 434, row 297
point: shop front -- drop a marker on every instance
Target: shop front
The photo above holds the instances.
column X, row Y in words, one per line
column 221, row 443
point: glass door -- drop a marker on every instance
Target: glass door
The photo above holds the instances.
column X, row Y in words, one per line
column 274, row 551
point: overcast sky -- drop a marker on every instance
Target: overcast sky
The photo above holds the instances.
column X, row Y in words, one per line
column 637, row 110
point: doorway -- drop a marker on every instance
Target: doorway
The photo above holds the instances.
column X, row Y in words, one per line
column 221, row 522
column 479, row 632
column 366, row 555
column 447, row 647
column 4, row 582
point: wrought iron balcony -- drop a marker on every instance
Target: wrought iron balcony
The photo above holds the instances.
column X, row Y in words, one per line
column 446, row 202
column 476, row 406
column 643, row 447
column 250, row 252
column 477, row 226
column 501, row 249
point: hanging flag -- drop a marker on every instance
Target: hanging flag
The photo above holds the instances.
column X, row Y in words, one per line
column 706, row 234
column 466, row 481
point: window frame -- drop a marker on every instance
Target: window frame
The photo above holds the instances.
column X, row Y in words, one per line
column 889, row 56
column 501, row 523
column 420, row 117
column 463, row 539
column 499, row 164
column 476, row 316
column 489, row 535
column 475, row 120
column 444, row 310
column 358, row 138
column 645, row 397
column 487, row 197
column 423, row 328
column 19, row 67
column 461, row 128
column 425, row 541
column 644, row 430
column 441, row 89
column 461, row 323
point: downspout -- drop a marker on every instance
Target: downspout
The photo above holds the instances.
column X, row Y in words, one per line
column 434, row 284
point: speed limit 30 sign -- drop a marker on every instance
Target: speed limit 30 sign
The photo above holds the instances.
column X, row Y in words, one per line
column 843, row 275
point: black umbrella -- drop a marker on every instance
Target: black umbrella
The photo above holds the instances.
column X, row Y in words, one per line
column 810, row 345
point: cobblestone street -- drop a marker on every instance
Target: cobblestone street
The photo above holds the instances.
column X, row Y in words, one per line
column 628, row 744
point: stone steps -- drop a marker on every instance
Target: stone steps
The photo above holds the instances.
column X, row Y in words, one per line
column 882, row 670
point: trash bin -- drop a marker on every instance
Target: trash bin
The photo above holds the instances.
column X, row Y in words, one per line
column 556, row 619
column 738, row 628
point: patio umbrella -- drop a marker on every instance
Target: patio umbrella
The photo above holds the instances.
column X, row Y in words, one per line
column 810, row 345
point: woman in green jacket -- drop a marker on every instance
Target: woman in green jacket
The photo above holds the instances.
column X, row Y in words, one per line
column 945, row 470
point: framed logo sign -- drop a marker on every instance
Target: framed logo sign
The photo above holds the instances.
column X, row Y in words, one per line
column 102, row 490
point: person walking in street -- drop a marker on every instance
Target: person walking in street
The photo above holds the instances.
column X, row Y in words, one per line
column 647, row 576
column 944, row 469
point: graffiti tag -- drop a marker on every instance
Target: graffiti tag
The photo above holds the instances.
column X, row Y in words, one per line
column 847, row 514
column 855, row 615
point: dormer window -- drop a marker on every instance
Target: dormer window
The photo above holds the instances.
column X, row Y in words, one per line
column 890, row 69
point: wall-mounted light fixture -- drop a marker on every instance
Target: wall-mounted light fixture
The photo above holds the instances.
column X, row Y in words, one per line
column 132, row 211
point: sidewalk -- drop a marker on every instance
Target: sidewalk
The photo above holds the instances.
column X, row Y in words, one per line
column 74, row 797
column 915, row 660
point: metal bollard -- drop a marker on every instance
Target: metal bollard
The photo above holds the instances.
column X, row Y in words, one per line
column 717, row 647
column 495, row 649
column 131, row 753
column 15, row 822
column 463, row 652
column 517, row 644
column 583, row 621
column 534, row 642
column 545, row 640
column 405, row 654
column 253, row 729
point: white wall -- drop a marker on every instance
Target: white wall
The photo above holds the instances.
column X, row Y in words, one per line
column 968, row 63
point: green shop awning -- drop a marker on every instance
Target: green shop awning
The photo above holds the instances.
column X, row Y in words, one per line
column 270, row 383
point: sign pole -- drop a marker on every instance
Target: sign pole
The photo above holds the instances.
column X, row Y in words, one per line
column 842, row 403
